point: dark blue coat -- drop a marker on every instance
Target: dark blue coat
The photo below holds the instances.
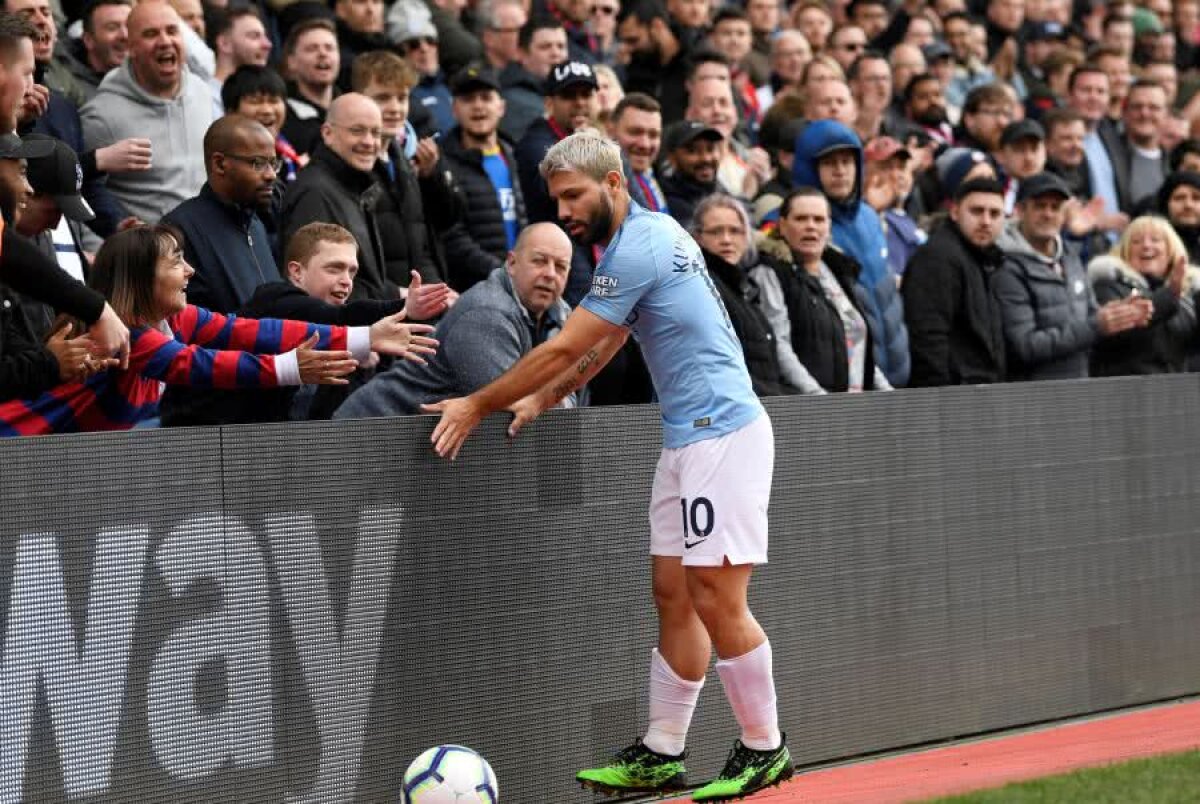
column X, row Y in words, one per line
column 857, row 231
column 229, row 248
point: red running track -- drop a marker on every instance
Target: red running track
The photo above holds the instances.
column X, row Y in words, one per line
column 996, row 761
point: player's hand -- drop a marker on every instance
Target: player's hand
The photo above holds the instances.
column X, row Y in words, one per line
column 319, row 367
column 524, row 410
column 425, row 302
column 391, row 336
column 460, row 416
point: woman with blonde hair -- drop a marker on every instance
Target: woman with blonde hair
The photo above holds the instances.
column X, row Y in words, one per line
column 1151, row 262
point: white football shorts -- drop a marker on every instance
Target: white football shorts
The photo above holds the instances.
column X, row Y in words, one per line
column 709, row 500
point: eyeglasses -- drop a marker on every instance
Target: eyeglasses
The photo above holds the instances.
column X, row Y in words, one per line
column 358, row 132
column 259, row 164
column 724, row 231
column 604, row 11
column 853, row 45
column 500, row 30
column 416, row 44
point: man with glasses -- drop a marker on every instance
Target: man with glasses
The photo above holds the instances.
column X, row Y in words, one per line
column 502, row 24
column 986, row 112
column 338, row 186
column 419, row 44
column 846, row 44
column 223, row 237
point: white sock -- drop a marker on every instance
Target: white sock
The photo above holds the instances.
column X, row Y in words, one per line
column 672, row 702
column 750, row 689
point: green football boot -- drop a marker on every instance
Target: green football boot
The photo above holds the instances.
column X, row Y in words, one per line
column 747, row 771
column 637, row 769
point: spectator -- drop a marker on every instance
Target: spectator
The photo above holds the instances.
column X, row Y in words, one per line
column 870, row 80
column 574, row 15
column 831, row 100
column 832, row 348
column 658, row 61
column 1065, row 156
column 420, row 48
column 732, row 37
column 240, row 38
column 987, row 110
column 312, row 62
column 142, row 269
column 260, row 94
column 1149, row 261
column 955, row 325
column 603, row 26
column 636, row 125
column 153, row 95
column 925, row 105
column 321, row 266
column 518, row 307
column 790, row 53
column 416, row 202
column 829, row 157
column 1047, row 305
column 722, row 228
column 692, row 18
column 889, row 180
column 764, row 22
column 103, row 45
column 338, row 186
column 1022, row 155
column 224, row 240
column 501, row 26
column 359, row 30
column 869, row 15
column 30, row 366
column 1179, row 203
column 608, row 91
column 846, row 44
column 1120, row 78
column 939, row 61
column 693, row 155
column 813, row 19
column 457, row 46
column 542, row 44
column 490, row 206
column 55, row 211
column 781, row 126
column 742, row 169
column 52, row 70
column 1089, row 97
column 1144, row 160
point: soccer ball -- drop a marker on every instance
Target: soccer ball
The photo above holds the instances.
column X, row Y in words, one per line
column 450, row 774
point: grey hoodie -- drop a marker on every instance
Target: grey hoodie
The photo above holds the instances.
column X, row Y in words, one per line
column 1048, row 309
column 175, row 128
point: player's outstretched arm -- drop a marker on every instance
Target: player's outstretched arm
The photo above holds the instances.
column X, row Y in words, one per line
column 584, row 331
column 528, row 408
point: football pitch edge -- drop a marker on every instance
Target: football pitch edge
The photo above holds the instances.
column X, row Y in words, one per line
column 997, row 760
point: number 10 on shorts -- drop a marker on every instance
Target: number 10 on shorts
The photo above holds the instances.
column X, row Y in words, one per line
column 698, row 520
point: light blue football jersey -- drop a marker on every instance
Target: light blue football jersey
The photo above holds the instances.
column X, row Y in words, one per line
column 652, row 279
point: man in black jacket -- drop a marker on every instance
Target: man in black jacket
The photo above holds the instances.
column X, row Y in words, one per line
column 488, row 201
column 693, row 154
column 338, row 186
column 321, row 269
column 223, row 237
column 955, row 330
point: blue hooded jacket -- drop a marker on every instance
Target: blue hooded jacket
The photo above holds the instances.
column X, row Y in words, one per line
column 858, row 232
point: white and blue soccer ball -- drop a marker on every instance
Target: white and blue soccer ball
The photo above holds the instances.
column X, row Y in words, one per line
column 450, row 774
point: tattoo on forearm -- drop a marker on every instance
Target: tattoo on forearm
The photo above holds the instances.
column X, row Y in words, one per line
column 575, row 381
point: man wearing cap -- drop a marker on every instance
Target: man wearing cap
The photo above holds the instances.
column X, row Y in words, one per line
column 889, row 181
column 829, row 156
column 1022, row 155
column 55, row 210
column 1047, row 305
column 955, row 330
column 571, row 105
column 491, row 208
column 224, row 240
column 14, row 186
column 419, row 44
column 693, row 156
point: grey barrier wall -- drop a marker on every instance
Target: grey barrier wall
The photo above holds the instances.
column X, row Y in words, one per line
column 290, row 614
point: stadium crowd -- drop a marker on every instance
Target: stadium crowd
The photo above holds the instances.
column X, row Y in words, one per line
column 219, row 212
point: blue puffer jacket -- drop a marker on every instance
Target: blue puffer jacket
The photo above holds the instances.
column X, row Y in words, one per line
column 857, row 231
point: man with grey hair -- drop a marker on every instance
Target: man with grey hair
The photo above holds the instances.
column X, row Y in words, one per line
column 716, row 465
column 489, row 328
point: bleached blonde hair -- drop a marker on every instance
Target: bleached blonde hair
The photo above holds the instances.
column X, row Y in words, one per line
column 583, row 152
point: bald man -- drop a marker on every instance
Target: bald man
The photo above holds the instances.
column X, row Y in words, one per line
column 338, row 186
column 491, row 326
column 224, row 237
column 154, row 96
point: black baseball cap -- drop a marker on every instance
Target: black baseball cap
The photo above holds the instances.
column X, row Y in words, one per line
column 1022, row 130
column 1045, row 31
column 1042, row 184
column 59, row 175
column 936, row 50
column 14, row 147
column 569, row 74
column 685, row 132
column 473, row 78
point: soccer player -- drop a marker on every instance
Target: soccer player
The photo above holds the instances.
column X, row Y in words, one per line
column 708, row 510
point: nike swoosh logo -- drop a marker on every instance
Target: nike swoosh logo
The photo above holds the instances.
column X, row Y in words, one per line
column 687, row 546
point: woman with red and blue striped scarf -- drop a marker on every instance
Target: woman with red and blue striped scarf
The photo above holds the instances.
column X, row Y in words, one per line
column 141, row 271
